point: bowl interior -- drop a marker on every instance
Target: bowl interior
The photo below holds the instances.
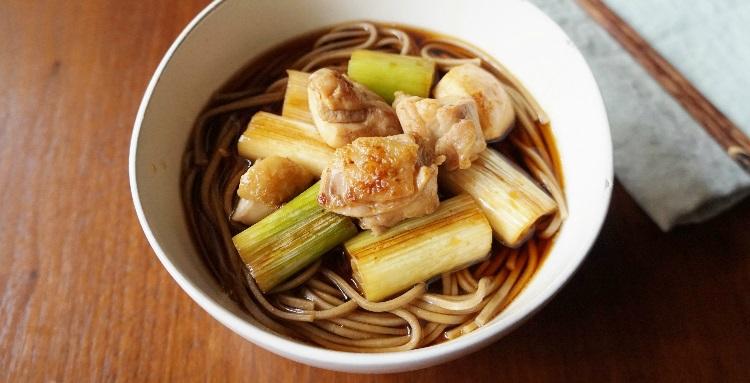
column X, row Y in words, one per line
column 226, row 35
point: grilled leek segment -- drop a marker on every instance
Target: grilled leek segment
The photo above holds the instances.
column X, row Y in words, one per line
column 291, row 238
column 386, row 73
column 456, row 235
column 512, row 202
column 295, row 98
column 269, row 134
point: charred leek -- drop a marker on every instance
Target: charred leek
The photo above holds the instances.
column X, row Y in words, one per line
column 291, row 238
column 269, row 134
column 456, row 235
column 295, row 98
column 511, row 200
column 386, row 73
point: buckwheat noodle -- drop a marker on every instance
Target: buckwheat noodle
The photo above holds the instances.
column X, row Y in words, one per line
column 319, row 305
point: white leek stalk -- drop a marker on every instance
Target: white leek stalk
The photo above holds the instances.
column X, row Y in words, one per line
column 269, row 134
column 456, row 235
column 295, row 98
column 511, row 200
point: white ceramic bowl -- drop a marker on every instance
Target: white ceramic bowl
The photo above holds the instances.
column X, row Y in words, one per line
column 226, row 35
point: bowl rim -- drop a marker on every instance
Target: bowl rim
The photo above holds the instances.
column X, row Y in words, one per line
column 352, row 361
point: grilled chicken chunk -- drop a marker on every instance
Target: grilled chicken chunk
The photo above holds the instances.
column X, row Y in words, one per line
column 267, row 184
column 344, row 110
column 381, row 180
column 494, row 105
column 450, row 126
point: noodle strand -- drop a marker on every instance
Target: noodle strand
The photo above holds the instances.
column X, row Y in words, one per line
column 317, row 304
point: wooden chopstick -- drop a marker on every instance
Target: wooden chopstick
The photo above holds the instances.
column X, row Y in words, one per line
column 716, row 124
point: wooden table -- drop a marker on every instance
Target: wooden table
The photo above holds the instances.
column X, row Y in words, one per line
column 82, row 297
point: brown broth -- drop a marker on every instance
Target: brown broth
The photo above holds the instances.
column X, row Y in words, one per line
column 272, row 64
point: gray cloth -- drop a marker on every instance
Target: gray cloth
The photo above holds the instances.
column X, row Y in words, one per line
column 675, row 171
column 706, row 40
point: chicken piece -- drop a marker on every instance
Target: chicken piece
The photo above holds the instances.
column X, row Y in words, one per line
column 274, row 180
column 250, row 212
column 450, row 126
column 494, row 105
column 344, row 110
column 266, row 185
column 381, row 180
column 424, row 202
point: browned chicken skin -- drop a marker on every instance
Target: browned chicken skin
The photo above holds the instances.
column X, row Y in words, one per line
column 267, row 184
column 450, row 126
column 344, row 110
column 494, row 105
column 381, row 180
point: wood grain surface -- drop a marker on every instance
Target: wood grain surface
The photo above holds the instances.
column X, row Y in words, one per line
column 83, row 298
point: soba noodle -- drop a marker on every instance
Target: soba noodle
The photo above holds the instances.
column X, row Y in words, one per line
column 318, row 305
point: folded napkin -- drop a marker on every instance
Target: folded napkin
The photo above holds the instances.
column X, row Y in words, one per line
column 674, row 170
column 707, row 41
